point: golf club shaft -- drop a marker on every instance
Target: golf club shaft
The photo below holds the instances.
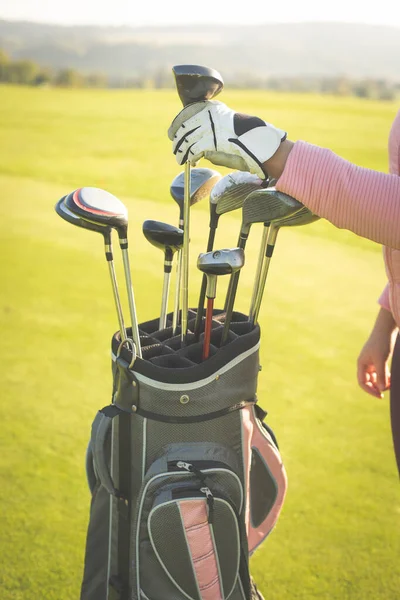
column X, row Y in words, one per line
column 230, row 296
column 229, row 291
column 273, row 232
column 200, row 307
column 263, row 247
column 208, row 328
column 185, row 249
column 131, row 298
column 111, row 268
column 175, row 317
column 164, row 299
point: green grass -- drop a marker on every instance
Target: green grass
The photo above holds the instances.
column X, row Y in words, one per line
column 338, row 535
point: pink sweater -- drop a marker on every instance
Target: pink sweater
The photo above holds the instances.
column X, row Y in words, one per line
column 364, row 201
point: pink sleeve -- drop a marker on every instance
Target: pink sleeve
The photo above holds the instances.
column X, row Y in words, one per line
column 383, row 299
column 364, row 201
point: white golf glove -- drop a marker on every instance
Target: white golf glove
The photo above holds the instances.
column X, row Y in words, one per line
column 224, row 137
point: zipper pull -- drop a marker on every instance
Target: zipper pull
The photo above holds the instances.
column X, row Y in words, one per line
column 210, row 503
column 184, row 465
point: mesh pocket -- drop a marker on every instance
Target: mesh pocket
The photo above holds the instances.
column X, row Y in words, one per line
column 203, row 562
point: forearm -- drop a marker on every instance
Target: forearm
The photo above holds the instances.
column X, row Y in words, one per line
column 384, row 325
column 364, row 201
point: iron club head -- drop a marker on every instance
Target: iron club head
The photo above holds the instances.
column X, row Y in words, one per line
column 266, row 206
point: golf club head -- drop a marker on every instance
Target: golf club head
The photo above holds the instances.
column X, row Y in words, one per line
column 303, row 217
column 98, row 206
column 221, row 262
column 266, row 206
column 162, row 235
column 202, row 182
column 63, row 211
column 231, row 191
column 196, row 83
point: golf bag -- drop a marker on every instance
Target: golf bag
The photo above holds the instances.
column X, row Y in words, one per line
column 186, row 477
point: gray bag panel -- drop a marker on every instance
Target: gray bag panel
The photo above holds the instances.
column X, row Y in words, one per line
column 94, row 584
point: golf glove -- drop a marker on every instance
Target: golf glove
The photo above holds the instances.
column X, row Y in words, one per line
column 224, row 137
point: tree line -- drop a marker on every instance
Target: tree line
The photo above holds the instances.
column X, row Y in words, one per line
column 27, row 72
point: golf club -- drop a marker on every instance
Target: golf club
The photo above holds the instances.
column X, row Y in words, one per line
column 227, row 195
column 194, row 84
column 260, row 206
column 212, row 264
column 302, row 217
column 169, row 239
column 201, row 183
column 101, row 207
column 105, row 231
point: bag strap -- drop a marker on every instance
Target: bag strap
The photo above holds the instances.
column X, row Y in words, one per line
column 118, row 583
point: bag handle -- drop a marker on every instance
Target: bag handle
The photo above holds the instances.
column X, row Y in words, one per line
column 101, row 428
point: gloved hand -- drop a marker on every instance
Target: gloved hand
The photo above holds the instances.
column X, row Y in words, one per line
column 224, row 137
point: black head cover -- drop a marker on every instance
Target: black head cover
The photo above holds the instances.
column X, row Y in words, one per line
column 196, row 83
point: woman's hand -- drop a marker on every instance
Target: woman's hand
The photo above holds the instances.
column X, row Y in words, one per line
column 373, row 372
column 224, row 137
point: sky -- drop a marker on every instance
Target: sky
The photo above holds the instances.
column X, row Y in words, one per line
column 178, row 12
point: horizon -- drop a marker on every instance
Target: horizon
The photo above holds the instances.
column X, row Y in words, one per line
column 122, row 13
column 191, row 24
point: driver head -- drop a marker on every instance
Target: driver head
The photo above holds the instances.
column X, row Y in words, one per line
column 63, row 211
column 202, row 182
column 163, row 236
column 98, row 206
column 196, row 83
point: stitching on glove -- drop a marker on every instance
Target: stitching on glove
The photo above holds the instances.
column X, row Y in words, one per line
column 187, row 154
column 184, row 139
column 213, row 129
column 243, row 147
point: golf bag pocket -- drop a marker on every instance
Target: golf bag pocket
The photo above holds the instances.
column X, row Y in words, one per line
column 267, row 481
column 198, row 505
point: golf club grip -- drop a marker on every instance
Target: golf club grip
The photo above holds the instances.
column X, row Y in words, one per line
column 208, row 328
column 233, row 284
column 200, row 306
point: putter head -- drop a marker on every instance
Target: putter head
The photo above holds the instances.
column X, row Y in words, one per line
column 303, row 217
column 196, row 83
column 266, row 206
column 231, row 191
column 63, row 211
column 221, row 262
column 163, row 236
column 98, row 206
column 202, row 182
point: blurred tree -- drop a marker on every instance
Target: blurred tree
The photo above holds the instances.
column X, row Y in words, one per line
column 68, row 78
column 4, row 62
column 22, row 72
